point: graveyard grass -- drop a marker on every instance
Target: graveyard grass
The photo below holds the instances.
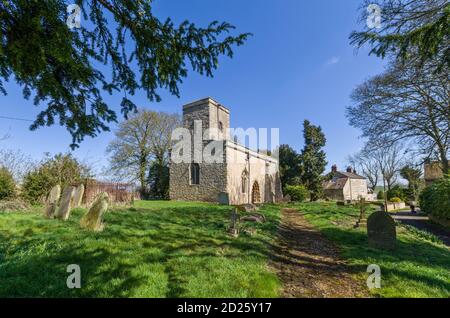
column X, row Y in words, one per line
column 156, row 249
column 418, row 267
column 174, row 249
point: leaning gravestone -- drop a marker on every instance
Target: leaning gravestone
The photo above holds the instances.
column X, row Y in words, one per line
column 78, row 196
column 63, row 211
column 381, row 230
column 52, row 201
column 93, row 219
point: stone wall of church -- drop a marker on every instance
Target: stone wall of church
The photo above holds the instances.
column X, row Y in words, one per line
column 212, row 182
column 258, row 168
column 224, row 176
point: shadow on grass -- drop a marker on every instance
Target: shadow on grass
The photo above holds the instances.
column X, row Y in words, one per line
column 406, row 261
column 138, row 254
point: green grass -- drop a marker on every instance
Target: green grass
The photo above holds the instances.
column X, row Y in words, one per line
column 156, row 249
column 178, row 249
column 419, row 267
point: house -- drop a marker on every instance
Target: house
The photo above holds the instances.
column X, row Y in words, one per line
column 238, row 175
column 346, row 185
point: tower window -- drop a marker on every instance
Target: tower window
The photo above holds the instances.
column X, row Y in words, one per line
column 220, row 126
column 195, row 173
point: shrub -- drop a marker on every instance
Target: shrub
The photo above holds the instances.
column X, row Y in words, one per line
column 60, row 169
column 7, row 184
column 380, row 195
column 297, row 192
column 395, row 200
column 13, row 205
column 397, row 192
column 435, row 199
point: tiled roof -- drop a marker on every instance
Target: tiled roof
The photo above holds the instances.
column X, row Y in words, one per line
column 351, row 175
column 335, row 184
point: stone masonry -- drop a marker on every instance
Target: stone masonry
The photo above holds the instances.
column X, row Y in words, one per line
column 245, row 175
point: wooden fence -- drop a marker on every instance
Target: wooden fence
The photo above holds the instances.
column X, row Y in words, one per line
column 117, row 192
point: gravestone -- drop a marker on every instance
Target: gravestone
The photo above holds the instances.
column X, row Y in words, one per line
column 381, row 230
column 223, row 198
column 259, row 218
column 287, row 199
column 63, row 211
column 93, row 219
column 78, row 196
column 234, row 226
column 247, row 207
column 52, row 201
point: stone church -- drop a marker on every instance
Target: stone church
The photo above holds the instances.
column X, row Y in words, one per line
column 242, row 176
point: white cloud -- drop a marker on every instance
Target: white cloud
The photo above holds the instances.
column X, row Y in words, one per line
column 333, row 60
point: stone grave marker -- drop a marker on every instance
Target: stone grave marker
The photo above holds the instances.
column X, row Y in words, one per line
column 52, row 201
column 93, row 219
column 223, row 198
column 234, row 227
column 63, row 211
column 78, row 196
column 381, row 230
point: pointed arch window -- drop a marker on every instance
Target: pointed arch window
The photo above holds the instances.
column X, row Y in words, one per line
column 195, row 173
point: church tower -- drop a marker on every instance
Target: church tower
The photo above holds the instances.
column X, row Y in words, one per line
column 215, row 118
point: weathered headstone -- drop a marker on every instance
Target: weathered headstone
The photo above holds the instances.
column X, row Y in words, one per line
column 234, row 226
column 287, row 198
column 93, row 219
column 247, row 208
column 381, row 230
column 257, row 217
column 362, row 213
column 78, row 196
column 52, row 201
column 223, row 198
column 63, row 211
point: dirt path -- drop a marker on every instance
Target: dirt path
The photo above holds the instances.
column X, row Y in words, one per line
column 308, row 264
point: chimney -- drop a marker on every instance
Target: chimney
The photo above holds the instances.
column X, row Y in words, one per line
column 349, row 169
column 354, row 171
column 334, row 168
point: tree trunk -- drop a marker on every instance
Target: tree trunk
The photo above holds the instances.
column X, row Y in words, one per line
column 142, row 168
column 444, row 161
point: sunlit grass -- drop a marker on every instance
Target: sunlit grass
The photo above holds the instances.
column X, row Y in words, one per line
column 419, row 267
column 156, row 249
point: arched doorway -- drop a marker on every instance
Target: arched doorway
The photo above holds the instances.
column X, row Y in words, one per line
column 256, row 194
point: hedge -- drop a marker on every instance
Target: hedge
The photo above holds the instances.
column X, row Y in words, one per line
column 297, row 192
column 435, row 199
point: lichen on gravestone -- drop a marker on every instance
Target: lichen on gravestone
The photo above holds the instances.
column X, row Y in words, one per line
column 93, row 219
column 63, row 211
column 78, row 196
column 52, row 201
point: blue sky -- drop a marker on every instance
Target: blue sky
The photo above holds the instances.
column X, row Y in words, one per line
column 298, row 65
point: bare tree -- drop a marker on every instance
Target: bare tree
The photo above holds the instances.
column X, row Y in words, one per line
column 17, row 163
column 379, row 162
column 144, row 137
column 367, row 166
column 405, row 103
